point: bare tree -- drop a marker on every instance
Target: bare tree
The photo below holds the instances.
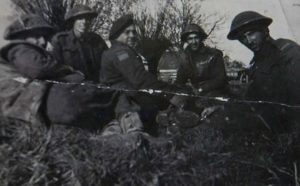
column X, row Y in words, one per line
column 167, row 21
column 51, row 10
column 54, row 10
column 171, row 17
column 158, row 27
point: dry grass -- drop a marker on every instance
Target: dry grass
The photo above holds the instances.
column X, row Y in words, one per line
column 210, row 154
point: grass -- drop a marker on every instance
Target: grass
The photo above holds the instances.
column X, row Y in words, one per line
column 221, row 151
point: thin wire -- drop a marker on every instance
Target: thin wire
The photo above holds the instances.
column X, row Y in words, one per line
column 153, row 91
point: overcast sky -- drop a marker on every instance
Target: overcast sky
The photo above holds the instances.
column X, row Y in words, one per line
column 285, row 14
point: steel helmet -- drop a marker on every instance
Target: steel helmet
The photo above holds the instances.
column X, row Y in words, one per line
column 246, row 20
column 28, row 25
column 193, row 28
column 79, row 11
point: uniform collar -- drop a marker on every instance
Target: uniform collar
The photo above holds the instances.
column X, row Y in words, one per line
column 268, row 47
column 201, row 50
column 269, row 50
column 75, row 39
column 115, row 43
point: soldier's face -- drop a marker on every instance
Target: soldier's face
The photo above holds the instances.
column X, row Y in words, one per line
column 128, row 36
column 39, row 40
column 81, row 25
column 105, row 34
column 253, row 39
column 193, row 41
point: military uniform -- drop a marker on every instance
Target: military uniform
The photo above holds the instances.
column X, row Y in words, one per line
column 123, row 68
column 290, row 57
column 22, row 62
column 25, row 98
column 33, row 61
column 203, row 66
column 205, row 69
column 37, row 101
column 274, row 77
column 274, row 71
column 82, row 54
column 267, row 74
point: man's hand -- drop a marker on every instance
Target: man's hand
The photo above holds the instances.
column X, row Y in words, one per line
column 208, row 111
column 179, row 101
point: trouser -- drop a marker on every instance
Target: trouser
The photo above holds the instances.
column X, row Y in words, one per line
column 147, row 106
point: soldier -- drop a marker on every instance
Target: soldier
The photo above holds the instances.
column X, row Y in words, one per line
column 275, row 67
column 203, row 66
column 77, row 47
column 122, row 68
column 25, row 59
column 27, row 52
column 24, row 97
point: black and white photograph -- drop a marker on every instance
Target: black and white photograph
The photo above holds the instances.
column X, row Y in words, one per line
column 149, row 92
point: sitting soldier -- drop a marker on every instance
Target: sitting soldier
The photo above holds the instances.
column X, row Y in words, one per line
column 203, row 69
column 204, row 66
column 122, row 68
column 78, row 47
column 27, row 96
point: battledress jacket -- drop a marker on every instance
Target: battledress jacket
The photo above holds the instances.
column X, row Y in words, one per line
column 22, row 95
column 275, row 73
column 63, row 99
column 82, row 54
column 205, row 69
column 123, row 68
column 275, row 77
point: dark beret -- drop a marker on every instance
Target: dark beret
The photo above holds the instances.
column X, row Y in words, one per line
column 120, row 25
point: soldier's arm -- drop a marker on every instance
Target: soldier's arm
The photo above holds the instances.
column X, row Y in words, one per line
column 133, row 71
column 218, row 75
column 291, row 60
column 32, row 63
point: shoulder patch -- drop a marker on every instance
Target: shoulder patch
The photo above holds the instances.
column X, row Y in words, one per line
column 285, row 46
column 122, row 55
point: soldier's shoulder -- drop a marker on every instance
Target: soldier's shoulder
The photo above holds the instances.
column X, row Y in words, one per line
column 213, row 50
column 117, row 52
column 119, row 48
column 19, row 46
column 286, row 44
column 95, row 39
column 95, row 36
column 61, row 36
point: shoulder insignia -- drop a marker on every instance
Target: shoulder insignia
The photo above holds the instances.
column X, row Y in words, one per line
column 122, row 55
column 285, row 46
